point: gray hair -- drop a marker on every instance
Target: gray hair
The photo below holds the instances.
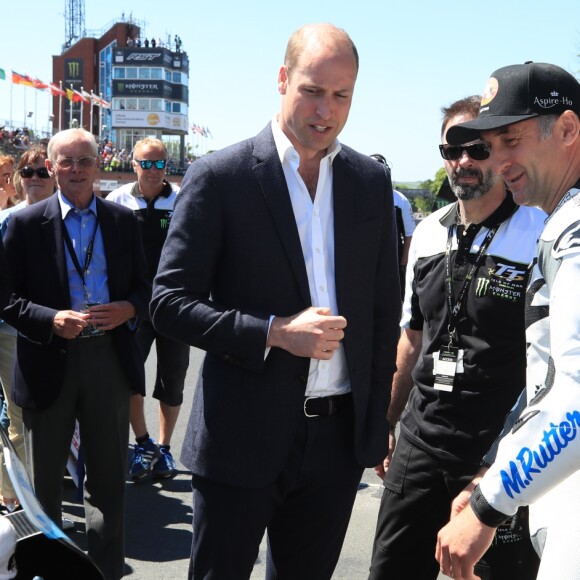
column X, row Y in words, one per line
column 546, row 125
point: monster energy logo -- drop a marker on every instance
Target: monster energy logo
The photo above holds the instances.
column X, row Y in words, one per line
column 74, row 68
column 482, row 287
column 164, row 223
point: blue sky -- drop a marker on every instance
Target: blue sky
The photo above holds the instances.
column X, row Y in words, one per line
column 416, row 56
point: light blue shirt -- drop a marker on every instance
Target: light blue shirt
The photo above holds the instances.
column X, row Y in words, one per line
column 5, row 216
column 81, row 224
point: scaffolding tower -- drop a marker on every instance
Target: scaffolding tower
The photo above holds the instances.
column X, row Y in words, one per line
column 74, row 21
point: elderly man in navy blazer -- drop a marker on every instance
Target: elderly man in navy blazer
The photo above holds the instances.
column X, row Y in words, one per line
column 281, row 263
column 79, row 287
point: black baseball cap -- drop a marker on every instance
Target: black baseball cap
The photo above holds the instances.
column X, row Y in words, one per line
column 519, row 92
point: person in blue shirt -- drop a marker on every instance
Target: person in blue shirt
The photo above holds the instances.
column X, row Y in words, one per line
column 79, row 293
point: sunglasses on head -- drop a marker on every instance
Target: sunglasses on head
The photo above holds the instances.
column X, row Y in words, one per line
column 27, row 172
column 148, row 164
column 477, row 151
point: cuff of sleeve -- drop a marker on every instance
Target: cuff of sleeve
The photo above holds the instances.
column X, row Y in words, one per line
column 484, row 512
column 267, row 351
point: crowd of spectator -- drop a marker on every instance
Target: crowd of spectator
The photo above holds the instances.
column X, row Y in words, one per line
column 20, row 138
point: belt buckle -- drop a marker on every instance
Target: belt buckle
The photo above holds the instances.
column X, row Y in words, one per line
column 306, row 401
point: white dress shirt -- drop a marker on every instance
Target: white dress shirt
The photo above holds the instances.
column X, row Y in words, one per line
column 315, row 222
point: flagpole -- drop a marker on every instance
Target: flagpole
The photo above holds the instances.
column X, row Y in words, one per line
column 50, row 106
column 101, row 118
column 70, row 111
column 82, row 107
column 11, row 121
column 35, row 109
column 60, row 109
column 91, row 115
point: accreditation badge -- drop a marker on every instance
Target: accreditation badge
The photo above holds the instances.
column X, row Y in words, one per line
column 446, row 364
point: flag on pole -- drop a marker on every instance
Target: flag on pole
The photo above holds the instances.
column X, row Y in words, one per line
column 86, row 95
column 2, row 74
column 19, row 79
column 100, row 102
column 38, row 84
column 56, row 91
column 75, row 96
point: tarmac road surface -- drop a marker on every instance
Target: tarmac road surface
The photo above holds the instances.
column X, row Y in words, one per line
column 158, row 513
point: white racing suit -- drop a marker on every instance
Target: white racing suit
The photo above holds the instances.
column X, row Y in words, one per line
column 538, row 457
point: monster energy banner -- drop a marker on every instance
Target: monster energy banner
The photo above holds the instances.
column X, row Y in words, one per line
column 73, row 72
column 149, row 88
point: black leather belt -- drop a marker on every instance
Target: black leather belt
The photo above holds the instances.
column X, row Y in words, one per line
column 326, row 406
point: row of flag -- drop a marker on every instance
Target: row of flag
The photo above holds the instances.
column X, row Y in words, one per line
column 57, row 91
column 203, row 131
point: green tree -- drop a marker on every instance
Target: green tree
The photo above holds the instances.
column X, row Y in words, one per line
column 423, row 204
column 438, row 181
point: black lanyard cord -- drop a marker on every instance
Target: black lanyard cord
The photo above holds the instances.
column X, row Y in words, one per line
column 455, row 308
column 82, row 272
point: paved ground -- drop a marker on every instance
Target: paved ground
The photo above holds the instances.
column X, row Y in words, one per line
column 159, row 513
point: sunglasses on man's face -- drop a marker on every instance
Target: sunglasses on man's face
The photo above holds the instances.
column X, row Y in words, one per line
column 477, row 151
column 27, row 172
column 148, row 164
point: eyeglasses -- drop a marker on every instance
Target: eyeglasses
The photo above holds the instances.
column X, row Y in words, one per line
column 27, row 172
column 68, row 162
column 477, row 151
column 148, row 164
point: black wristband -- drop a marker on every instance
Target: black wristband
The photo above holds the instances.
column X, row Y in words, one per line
column 484, row 512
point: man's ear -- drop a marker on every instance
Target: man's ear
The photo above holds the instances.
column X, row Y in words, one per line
column 48, row 164
column 282, row 79
column 569, row 127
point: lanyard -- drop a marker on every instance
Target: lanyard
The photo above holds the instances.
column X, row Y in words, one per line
column 455, row 309
column 82, row 272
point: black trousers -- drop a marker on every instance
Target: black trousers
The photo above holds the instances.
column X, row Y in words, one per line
column 305, row 510
column 416, row 504
column 96, row 392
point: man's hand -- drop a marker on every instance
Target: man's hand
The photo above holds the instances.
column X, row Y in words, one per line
column 109, row 316
column 312, row 333
column 461, row 543
column 69, row 323
column 381, row 469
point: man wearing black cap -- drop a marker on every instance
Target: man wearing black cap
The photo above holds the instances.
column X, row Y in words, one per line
column 529, row 117
column 464, row 312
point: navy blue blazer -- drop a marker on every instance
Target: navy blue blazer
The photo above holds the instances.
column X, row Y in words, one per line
column 36, row 254
column 233, row 258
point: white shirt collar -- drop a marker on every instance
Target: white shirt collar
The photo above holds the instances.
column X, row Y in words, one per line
column 285, row 148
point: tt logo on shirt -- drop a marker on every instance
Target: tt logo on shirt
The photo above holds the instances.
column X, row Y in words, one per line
column 509, row 272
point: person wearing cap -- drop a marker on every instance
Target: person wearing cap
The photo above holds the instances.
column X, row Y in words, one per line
column 460, row 359
column 152, row 199
column 529, row 116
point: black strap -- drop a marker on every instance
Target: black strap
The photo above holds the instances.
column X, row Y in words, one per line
column 88, row 256
column 455, row 308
